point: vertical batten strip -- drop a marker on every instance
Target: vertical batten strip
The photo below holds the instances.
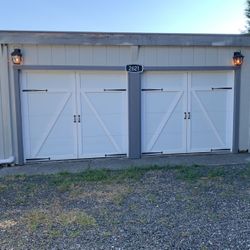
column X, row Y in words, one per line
column 2, row 136
column 134, row 115
column 6, row 112
column 236, row 118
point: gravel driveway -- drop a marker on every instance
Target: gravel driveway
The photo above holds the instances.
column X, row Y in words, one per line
column 158, row 208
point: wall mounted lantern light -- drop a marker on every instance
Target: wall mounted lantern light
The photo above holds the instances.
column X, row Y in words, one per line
column 17, row 56
column 238, row 58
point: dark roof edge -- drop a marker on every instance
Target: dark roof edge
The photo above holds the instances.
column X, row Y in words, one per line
column 112, row 38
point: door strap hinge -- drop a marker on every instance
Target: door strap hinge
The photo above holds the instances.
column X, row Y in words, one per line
column 221, row 88
column 112, row 90
column 152, row 89
column 35, row 90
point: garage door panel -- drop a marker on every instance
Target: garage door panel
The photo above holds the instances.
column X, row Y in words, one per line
column 104, row 121
column 159, row 128
column 211, row 107
column 204, row 129
column 211, row 79
column 90, row 80
column 47, row 107
column 53, row 80
column 71, row 114
column 170, row 139
column 163, row 102
column 158, row 80
column 104, row 112
column 200, row 121
column 46, row 131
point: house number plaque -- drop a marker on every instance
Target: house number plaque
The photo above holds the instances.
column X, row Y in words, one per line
column 134, row 68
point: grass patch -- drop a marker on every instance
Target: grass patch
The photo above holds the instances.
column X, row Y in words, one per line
column 75, row 234
column 70, row 181
column 65, row 181
column 76, row 217
column 246, row 172
column 35, row 219
column 46, row 219
column 53, row 233
column 197, row 172
column 151, row 198
column 121, row 195
column 20, row 177
column 2, row 187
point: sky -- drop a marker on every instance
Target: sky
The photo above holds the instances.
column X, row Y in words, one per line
column 152, row 16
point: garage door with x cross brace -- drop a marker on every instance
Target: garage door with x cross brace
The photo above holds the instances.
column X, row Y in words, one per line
column 68, row 115
column 187, row 111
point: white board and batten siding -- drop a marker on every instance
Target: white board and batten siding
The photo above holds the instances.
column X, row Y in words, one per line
column 123, row 55
column 77, row 55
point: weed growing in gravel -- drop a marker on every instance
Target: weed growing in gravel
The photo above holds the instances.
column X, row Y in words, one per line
column 151, row 198
column 2, row 187
column 53, row 233
column 246, row 172
column 17, row 177
column 76, row 217
column 196, row 172
column 119, row 198
column 64, row 181
column 37, row 218
column 74, row 234
column 46, row 219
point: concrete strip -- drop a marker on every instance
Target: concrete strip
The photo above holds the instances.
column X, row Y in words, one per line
column 76, row 166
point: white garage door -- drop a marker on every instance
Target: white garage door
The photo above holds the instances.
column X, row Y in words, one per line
column 103, row 108
column 69, row 115
column 187, row 111
column 164, row 99
column 210, row 126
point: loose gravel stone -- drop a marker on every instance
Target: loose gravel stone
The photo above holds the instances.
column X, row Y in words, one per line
column 160, row 210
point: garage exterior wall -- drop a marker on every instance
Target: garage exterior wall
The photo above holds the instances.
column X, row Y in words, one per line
column 122, row 55
column 115, row 55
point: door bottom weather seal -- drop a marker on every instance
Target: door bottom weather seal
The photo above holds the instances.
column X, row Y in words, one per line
column 39, row 159
column 220, row 149
column 152, row 153
column 115, row 155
